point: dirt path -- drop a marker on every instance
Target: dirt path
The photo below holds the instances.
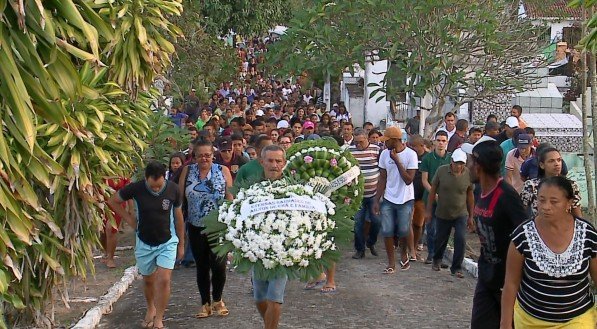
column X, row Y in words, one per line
column 95, row 286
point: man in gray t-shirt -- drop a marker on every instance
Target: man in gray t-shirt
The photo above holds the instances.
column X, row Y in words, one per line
column 453, row 190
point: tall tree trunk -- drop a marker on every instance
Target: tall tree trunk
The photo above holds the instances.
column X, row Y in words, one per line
column 586, row 147
column 593, row 66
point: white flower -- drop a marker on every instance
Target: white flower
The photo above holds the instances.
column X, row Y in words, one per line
column 279, row 238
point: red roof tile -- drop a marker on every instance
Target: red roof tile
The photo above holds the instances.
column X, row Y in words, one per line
column 551, row 9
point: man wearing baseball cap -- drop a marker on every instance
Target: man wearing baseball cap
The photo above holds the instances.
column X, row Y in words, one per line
column 452, row 184
column 395, row 195
column 515, row 159
column 510, row 126
column 509, row 145
column 497, row 212
column 226, row 157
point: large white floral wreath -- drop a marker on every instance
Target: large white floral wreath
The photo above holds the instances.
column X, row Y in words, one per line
column 290, row 227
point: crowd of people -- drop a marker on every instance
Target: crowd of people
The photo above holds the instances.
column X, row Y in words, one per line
column 499, row 181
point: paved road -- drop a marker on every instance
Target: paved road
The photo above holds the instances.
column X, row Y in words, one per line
column 417, row 298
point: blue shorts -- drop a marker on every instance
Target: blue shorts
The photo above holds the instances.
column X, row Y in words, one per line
column 396, row 218
column 272, row 290
column 150, row 257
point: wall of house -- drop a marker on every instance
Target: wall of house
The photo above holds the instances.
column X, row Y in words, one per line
column 557, row 27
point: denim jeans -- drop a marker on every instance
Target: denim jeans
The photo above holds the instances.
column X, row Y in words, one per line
column 395, row 218
column 365, row 213
column 443, row 230
column 430, row 229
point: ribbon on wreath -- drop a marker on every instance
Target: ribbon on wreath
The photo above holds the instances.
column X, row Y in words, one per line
column 342, row 180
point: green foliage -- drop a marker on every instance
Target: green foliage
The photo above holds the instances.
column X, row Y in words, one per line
column 589, row 41
column 67, row 126
column 163, row 139
column 201, row 59
column 245, row 17
column 440, row 47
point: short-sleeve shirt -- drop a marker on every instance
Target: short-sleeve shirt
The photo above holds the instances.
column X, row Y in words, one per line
column 234, row 165
column 496, row 215
column 513, row 163
column 250, row 172
column 556, row 287
column 452, row 192
column 368, row 164
column 455, row 142
column 397, row 191
column 155, row 211
column 429, row 164
column 530, row 191
column 507, row 146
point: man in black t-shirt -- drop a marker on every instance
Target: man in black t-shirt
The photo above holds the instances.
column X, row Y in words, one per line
column 160, row 238
column 498, row 211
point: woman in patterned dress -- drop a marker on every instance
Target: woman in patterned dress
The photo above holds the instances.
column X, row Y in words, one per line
column 550, row 165
column 549, row 265
column 205, row 185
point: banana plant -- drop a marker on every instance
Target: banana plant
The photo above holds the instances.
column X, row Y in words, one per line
column 69, row 118
column 141, row 46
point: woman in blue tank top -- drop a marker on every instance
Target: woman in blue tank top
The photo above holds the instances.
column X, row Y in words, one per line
column 205, row 186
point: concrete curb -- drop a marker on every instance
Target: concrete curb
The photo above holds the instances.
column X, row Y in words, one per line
column 468, row 264
column 94, row 315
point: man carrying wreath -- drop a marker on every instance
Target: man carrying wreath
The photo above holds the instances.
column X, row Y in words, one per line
column 269, row 295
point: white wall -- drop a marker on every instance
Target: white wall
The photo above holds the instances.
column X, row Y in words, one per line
column 375, row 111
column 557, row 28
column 358, row 118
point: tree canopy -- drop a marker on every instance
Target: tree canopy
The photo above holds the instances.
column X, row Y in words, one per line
column 446, row 48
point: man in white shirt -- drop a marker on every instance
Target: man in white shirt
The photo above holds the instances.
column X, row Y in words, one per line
column 395, row 192
column 449, row 124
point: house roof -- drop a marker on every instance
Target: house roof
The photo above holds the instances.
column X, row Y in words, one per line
column 551, row 9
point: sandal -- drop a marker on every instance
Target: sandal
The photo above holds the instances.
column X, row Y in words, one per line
column 220, row 308
column 147, row 324
column 389, row 270
column 204, row 312
column 405, row 265
column 328, row 290
column 458, row 274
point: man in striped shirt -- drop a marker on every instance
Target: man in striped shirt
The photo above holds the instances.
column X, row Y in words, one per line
column 365, row 220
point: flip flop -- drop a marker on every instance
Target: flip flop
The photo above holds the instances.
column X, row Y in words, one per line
column 389, row 270
column 328, row 290
column 405, row 265
column 147, row 324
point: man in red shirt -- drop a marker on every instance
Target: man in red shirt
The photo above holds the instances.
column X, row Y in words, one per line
column 226, row 157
